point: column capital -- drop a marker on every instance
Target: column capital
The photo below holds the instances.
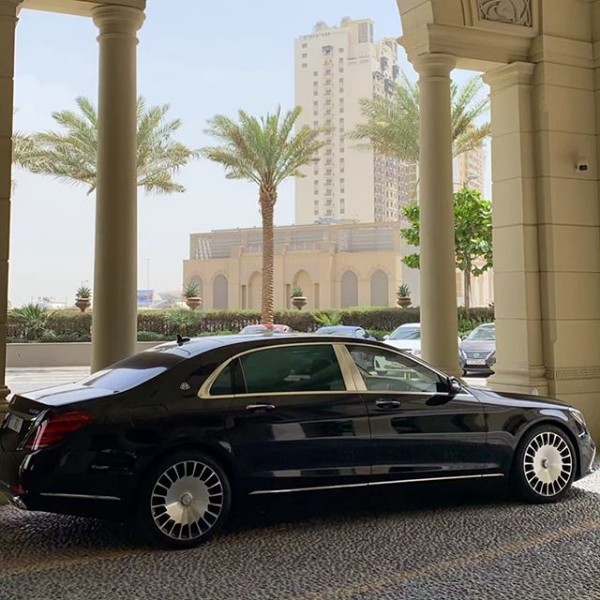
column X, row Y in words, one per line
column 117, row 20
column 517, row 73
column 9, row 8
column 434, row 65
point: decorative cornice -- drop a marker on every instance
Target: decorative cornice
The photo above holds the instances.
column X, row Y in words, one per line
column 9, row 8
column 573, row 373
column 511, row 12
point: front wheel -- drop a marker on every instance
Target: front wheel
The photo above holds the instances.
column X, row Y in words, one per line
column 545, row 465
column 184, row 500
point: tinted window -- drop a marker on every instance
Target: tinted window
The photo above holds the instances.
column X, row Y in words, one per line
column 292, row 369
column 223, row 384
column 133, row 371
column 382, row 370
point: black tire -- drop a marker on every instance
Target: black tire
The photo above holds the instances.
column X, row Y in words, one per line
column 544, row 465
column 183, row 500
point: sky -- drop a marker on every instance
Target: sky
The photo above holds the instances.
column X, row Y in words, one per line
column 201, row 58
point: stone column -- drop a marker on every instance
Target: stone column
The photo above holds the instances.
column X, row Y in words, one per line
column 115, row 277
column 439, row 321
column 8, row 22
column 520, row 362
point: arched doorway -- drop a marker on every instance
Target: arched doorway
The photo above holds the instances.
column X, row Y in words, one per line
column 380, row 289
column 303, row 280
column 220, row 292
column 254, row 291
column 349, row 289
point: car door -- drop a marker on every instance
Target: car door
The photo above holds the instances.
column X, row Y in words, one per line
column 298, row 423
column 419, row 429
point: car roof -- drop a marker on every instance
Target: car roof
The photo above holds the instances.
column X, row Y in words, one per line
column 341, row 327
column 414, row 325
column 196, row 346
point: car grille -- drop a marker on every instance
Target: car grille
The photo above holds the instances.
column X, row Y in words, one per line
column 477, row 354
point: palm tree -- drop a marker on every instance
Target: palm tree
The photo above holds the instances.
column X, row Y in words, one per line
column 264, row 151
column 391, row 124
column 71, row 154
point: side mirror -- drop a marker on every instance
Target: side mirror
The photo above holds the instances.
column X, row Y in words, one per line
column 454, row 386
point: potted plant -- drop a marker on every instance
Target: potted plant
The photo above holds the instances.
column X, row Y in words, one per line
column 191, row 293
column 298, row 297
column 83, row 297
column 403, row 296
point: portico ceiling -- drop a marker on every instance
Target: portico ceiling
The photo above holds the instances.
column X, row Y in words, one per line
column 79, row 7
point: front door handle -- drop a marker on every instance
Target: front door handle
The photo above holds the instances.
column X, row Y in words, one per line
column 388, row 404
column 256, row 407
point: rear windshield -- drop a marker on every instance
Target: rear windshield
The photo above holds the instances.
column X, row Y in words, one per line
column 133, row 371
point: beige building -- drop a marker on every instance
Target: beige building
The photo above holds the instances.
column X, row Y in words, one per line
column 542, row 62
column 335, row 68
column 335, row 265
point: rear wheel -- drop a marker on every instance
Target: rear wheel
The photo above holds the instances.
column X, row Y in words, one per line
column 184, row 500
column 545, row 465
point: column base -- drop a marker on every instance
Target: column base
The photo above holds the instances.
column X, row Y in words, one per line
column 523, row 381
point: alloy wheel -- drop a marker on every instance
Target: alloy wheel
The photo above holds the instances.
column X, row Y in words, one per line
column 187, row 500
column 548, row 464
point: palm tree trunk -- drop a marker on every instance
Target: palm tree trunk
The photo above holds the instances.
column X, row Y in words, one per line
column 268, row 198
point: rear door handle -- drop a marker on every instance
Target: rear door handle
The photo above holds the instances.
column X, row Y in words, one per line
column 388, row 403
column 256, row 407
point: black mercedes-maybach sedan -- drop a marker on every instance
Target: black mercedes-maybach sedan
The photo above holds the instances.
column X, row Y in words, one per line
column 170, row 436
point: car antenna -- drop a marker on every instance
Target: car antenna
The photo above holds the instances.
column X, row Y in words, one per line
column 182, row 340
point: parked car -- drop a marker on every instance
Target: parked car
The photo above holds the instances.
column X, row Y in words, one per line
column 407, row 337
column 345, row 331
column 261, row 329
column 167, row 437
column 478, row 350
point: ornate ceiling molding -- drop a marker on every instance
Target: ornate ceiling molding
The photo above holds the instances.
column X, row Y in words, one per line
column 512, row 12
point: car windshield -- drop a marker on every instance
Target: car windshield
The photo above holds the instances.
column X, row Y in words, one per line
column 132, row 371
column 483, row 334
column 406, row 333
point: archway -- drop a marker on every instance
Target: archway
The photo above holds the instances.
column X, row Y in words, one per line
column 380, row 289
column 220, row 292
column 303, row 280
column 349, row 289
column 254, row 291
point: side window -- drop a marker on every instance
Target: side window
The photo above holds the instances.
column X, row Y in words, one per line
column 223, row 385
column 292, row 369
column 383, row 370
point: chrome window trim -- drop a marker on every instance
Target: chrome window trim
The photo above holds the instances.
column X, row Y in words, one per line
column 338, row 348
column 374, row 483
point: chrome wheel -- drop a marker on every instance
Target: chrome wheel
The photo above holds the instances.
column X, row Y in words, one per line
column 187, row 500
column 548, row 464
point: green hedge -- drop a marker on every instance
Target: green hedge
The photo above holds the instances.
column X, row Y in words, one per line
column 156, row 325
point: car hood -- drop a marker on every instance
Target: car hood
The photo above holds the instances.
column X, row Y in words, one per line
column 522, row 400
column 478, row 345
column 66, row 394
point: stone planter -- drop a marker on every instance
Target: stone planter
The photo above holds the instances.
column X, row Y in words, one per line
column 404, row 301
column 83, row 303
column 193, row 302
column 299, row 301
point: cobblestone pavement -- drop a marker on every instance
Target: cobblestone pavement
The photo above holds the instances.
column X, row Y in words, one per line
column 406, row 544
column 433, row 543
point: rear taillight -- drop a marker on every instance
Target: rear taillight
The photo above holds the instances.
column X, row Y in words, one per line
column 57, row 427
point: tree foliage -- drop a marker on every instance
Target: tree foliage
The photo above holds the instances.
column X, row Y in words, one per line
column 264, row 151
column 472, row 235
column 71, row 153
column 391, row 123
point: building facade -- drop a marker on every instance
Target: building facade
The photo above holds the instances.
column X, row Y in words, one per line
column 335, row 68
column 336, row 266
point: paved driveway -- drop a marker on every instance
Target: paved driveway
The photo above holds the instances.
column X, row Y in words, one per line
column 431, row 543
